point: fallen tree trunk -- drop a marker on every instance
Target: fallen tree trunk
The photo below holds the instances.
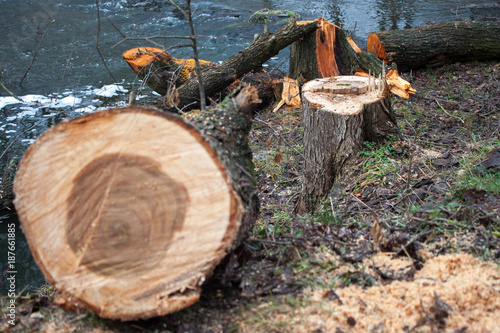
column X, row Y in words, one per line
column 128, row 211
column 329, row 52
column 437, row 44
column 339, row 114
column 215, row 79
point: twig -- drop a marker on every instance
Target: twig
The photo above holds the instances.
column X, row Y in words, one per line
column 427, row 317
column 244, row 171
column 276, row 133
column 269, row 241
column 408, row 175
column 68, row 59
column 188, row 15
column 96, row 47
column 444, row 110
column 149, row 39
column 414, row 238
column 36, row 52
column 114, row 26
column 439, row 99
column 302, row 239
column 7, row 89
column 361, row 202
column 18, row 136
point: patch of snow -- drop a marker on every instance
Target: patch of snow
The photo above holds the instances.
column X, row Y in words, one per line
column 109, row 90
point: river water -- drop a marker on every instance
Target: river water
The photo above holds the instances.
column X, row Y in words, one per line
column 56, row 41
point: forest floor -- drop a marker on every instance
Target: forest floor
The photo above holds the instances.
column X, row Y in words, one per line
column 407, row 241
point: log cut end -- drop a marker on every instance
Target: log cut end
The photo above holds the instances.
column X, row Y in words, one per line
column 160, row 69
column 142, row 56
column 343, row 95
column 374, row 46
column 127, row 211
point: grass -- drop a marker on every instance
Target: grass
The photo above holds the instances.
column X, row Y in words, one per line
column 472, row 175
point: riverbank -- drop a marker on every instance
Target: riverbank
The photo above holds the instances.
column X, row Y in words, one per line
column 434, row 194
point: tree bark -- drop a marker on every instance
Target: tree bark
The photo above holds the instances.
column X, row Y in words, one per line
column 128, row 211
column 437, row 44
column 6, row 184
column 339, row 114
column 266, row 46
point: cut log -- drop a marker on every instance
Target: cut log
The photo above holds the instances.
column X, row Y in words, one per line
column 339, row 114
column 128, row 211
column 437, row 44
column 329, row 52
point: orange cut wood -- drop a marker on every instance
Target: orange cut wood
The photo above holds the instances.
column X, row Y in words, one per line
column 290, row 94
column 329, row 52
column 397, row 85
column 353, row 44
column 161, row 71
column 325, row 48
column 374, row 46
column 142, row 56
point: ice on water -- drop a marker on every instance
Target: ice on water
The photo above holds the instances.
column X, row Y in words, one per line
column 35, row 113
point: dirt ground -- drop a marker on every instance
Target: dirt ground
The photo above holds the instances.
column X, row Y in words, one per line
column 407, row 241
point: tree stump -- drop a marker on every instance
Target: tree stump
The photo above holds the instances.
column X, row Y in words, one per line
column 329, row 52
column 339, row 114
column 128, row 211
column 314, row 55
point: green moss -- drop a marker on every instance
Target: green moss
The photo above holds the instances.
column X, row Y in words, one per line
column 265, row 15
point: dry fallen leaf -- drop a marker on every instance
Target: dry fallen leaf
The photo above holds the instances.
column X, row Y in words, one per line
column 377, row 233
column 278, row 157
column 269, row 141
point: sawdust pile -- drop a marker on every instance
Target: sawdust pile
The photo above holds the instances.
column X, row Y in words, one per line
column 451, row 293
